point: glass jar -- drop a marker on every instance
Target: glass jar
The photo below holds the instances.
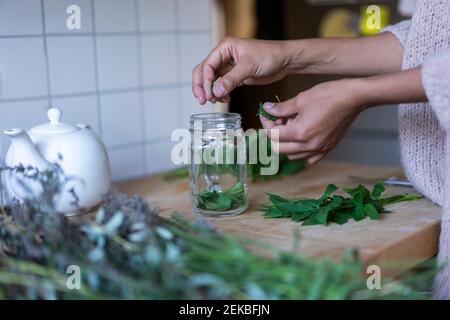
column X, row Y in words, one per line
column 218, row 171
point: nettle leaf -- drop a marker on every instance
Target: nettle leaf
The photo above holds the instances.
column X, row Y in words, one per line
column 340, row 217
column 290, row 167
column 322, row 215
column 331, row 188
column 276, row 199
column 371, row 211
column 274, row 213
column 299, row 206
column 377, row 190
column 265, row 114
column 359, row 213
column 222, row 201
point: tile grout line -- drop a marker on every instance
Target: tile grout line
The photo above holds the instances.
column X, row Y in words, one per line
column 109, row 33
column 140, row 66
column 46, row 56
column 135, row 144
column 178, row 63
column 110, row 91
column 96, row 71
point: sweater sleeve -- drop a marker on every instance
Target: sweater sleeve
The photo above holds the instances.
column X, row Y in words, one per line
column 400, row 30
column 442, row 280
column 436, row 81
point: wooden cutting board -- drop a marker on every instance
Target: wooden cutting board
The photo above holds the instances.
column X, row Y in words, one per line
column 397, row 242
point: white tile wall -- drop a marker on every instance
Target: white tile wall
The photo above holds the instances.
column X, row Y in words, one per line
column 126, row 73
column 115, row 15
column 21, row 114
column 192, row 47
column 157, row 15
column 26, row 15
column 161, row 113
column 23, row 65
column 80, row 110
column 158, row 155
column 194, row 14
column 117, row 62
column 71, row 62
column 55, row 16
column 121, row 119
column 127, row 163
column 159, row 59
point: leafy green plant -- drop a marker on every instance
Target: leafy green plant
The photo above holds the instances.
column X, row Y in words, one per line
column 334, row 208
column 127, row 251
column 229, row 199
column 286, row 167
column 264, row 113
column 179, row 173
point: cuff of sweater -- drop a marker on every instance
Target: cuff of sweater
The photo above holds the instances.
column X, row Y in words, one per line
column 400, row 30
column 436, row 81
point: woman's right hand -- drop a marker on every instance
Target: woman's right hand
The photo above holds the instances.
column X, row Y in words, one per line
column 235, row 62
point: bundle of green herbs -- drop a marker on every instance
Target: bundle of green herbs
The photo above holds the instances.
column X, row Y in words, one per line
column 127, row 251
column 334, row 208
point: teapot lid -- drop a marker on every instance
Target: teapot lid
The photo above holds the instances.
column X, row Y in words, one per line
column 55, row 126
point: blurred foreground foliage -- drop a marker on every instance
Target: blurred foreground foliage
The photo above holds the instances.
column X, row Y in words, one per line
column 127, row 251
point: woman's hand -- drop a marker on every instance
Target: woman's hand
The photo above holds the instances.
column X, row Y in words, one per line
column 314, row 121
column 235, row 62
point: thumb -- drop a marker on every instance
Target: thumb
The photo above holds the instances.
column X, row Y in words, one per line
column 283, row 109
column 224, row 85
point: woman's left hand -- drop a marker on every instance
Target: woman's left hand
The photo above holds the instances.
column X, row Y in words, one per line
column 315, row 121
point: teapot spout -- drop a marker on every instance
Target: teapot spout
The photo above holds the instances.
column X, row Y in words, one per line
column 24, row 152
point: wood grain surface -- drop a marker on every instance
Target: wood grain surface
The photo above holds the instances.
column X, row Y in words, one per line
column 397, row 242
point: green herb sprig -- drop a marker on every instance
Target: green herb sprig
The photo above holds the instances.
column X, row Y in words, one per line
column 286, row 167
column 229, row 199
column 265, row 114
column 334, row 208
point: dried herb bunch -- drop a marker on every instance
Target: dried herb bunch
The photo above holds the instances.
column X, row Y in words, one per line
column 127, row 251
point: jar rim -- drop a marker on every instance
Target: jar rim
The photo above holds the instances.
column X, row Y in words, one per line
column 216, row 120
column 216, row 116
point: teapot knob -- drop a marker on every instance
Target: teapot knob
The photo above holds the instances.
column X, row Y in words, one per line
column 54, row 115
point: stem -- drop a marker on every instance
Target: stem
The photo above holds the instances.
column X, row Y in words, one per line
column 400, row 198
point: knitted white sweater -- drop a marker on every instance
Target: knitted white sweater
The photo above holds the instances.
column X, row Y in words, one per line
column 425, row 143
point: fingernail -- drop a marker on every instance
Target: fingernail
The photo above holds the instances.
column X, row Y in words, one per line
column 269, row 105
column 219, row 90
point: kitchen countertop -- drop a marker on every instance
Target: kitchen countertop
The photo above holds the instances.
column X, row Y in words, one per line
column 397, row 242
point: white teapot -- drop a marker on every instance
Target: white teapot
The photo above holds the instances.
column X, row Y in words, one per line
column 77, row 150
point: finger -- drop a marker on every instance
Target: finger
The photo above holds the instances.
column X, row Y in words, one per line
column 225, row 99
column 283, row 109
column 293, row 148
column 224, row 85
column 284, row 132
column 208, row 78
column 315, row 159
column 197, row 84
column 205, row 73
column 277, row 132
column 302, row 155
column 266, row 123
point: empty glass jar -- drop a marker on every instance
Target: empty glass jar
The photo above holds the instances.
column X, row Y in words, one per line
column 218, row 172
